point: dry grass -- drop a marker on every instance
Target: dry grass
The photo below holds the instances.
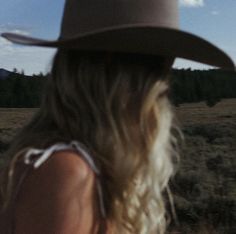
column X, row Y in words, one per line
column 204, row 188
column 200, row 113
column 13, row 119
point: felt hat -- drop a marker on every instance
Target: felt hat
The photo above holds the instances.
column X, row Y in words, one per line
column 130, row 26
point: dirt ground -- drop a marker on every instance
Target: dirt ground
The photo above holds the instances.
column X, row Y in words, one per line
column 204, row 188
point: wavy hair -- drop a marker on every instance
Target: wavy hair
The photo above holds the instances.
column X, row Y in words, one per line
column 116, row 104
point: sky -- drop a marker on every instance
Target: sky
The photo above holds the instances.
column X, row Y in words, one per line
column 213, row 20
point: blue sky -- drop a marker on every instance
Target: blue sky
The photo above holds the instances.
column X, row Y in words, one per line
column 213, row 20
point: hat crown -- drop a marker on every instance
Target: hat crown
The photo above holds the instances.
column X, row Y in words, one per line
column 84, row 16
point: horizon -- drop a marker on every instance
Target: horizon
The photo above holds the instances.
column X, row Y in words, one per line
column 15, row 70
column 29, row 18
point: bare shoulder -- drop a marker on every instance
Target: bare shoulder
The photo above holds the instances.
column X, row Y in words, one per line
column 63, row 170
column 68, row 165
column 61, row 188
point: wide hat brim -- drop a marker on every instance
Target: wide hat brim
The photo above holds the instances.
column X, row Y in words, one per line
column 142, row 39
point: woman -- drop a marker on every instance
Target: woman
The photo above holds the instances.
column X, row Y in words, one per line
column 97, row 156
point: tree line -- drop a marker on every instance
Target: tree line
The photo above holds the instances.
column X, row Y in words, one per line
column 187, row 86
column 210, row 86
column 19, row 90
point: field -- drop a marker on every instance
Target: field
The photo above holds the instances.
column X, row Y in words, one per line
column 204, row 188
column 205, row 185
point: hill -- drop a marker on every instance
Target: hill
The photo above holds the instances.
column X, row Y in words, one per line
column 4, row 73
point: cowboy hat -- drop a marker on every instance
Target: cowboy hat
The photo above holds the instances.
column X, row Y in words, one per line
column 133, row 26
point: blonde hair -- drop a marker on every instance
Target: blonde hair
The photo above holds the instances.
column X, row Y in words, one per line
column 117, row 105
column 144, row 208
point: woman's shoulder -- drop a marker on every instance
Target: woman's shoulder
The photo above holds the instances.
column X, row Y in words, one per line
column 61, row 161
column 66, row 164
column 64, row 168
column 58, row 185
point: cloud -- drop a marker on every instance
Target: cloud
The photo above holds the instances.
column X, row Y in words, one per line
column 215, row 12
column 5, row 45
column 15, row 29
column 192, row 3
column 4, row 42
column 19, row 31
column 184, row 63
column 31, row 59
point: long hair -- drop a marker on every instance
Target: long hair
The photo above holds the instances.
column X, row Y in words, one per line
column 117, row 106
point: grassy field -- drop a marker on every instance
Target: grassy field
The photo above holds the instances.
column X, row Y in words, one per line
column 205, row 185
column 204, row 188
column 11, row 120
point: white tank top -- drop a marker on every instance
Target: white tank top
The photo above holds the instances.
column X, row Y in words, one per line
column 29, row 158
column 35, row 158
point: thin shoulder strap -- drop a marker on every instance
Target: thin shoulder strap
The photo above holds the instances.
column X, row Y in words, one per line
column 29, row 158
column 46, row 153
